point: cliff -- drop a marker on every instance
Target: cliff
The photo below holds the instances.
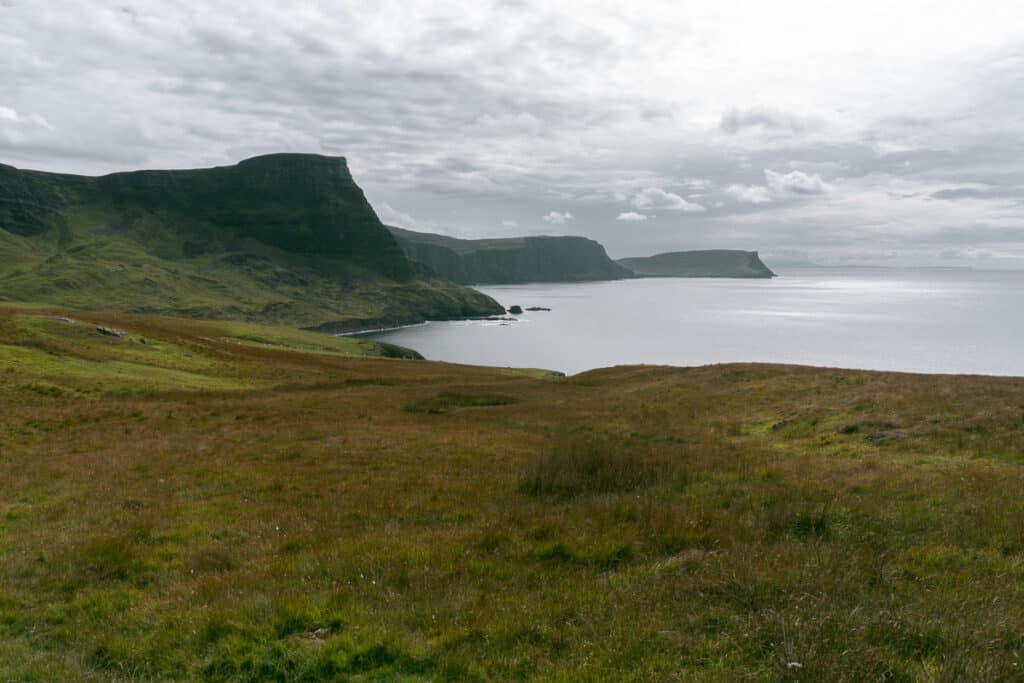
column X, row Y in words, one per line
column 510, row 260
column 707, row 263
column 286, row 238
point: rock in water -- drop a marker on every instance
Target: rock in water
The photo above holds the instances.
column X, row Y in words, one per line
column 515, row 310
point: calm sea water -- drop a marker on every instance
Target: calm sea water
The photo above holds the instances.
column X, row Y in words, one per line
column 924, row 320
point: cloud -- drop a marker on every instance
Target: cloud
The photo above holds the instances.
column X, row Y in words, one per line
column 657, row 198
column 631, row 216
column 389, row 215
column 12, row 115
column 510, row 224
column 795, row 182
column 735, row 120
column 698, row 184
column 978, row 192
column 558, row 217
column 750, row 194
column 959, row 193
column 474, row 113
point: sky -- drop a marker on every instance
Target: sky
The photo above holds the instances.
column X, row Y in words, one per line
column 885, row 133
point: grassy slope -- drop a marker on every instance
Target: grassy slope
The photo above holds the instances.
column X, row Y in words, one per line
column 116, row 274
column 286, row 239
column 449, row 522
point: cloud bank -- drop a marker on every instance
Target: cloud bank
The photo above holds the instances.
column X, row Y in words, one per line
column 498, row 117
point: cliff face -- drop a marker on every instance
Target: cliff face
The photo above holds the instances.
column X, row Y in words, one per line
column 289, row 237
column 707, row 263
column 510, row 260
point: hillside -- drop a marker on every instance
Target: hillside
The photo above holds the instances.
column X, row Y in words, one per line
column 707, row 263
column 232, row 503
column 510, row 260
column 286, row 238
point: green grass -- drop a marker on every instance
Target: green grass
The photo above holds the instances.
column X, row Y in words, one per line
column 648, row 524
column 117, row 273
column 60, row 352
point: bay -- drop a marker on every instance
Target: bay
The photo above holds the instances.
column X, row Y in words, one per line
column 914, row 320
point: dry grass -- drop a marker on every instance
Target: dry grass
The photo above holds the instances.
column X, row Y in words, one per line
column 443, row 522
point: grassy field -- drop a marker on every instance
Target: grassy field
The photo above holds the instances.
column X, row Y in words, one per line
column 230, row 503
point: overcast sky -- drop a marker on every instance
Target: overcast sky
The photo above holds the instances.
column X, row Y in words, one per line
column 835, row 131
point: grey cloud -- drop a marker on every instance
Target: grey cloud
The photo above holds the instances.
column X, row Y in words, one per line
column 492, row 112
column 631, row 217
column 960, row 193
column 657, row 198
column 983, row 192
column 976, row 234
column 749, row 194
column 737, row 120
column 558, row 217
column 795, row 182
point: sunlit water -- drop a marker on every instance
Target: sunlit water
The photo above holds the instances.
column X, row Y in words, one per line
column 939, row 321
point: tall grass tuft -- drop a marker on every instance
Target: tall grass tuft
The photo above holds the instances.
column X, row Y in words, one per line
column 596, row 464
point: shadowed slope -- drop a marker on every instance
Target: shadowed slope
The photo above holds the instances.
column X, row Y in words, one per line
column 284, row 237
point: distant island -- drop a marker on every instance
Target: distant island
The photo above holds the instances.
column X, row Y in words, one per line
column 282, row 238
column 731, row 263
column 510, row 260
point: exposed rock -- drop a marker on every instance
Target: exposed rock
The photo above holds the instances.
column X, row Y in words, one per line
column 515, row 310
column 110, row 332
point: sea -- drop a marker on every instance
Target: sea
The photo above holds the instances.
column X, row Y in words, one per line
column 921, row 320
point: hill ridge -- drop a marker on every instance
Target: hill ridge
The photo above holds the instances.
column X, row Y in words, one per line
column 283, row 237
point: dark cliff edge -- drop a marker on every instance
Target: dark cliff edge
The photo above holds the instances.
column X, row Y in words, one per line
column 285, row 238
column 510, row 260
column 731, row 263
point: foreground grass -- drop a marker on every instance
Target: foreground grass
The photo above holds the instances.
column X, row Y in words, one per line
column 307, row 515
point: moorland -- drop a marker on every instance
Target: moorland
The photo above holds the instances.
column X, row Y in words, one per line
column 224, row 501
